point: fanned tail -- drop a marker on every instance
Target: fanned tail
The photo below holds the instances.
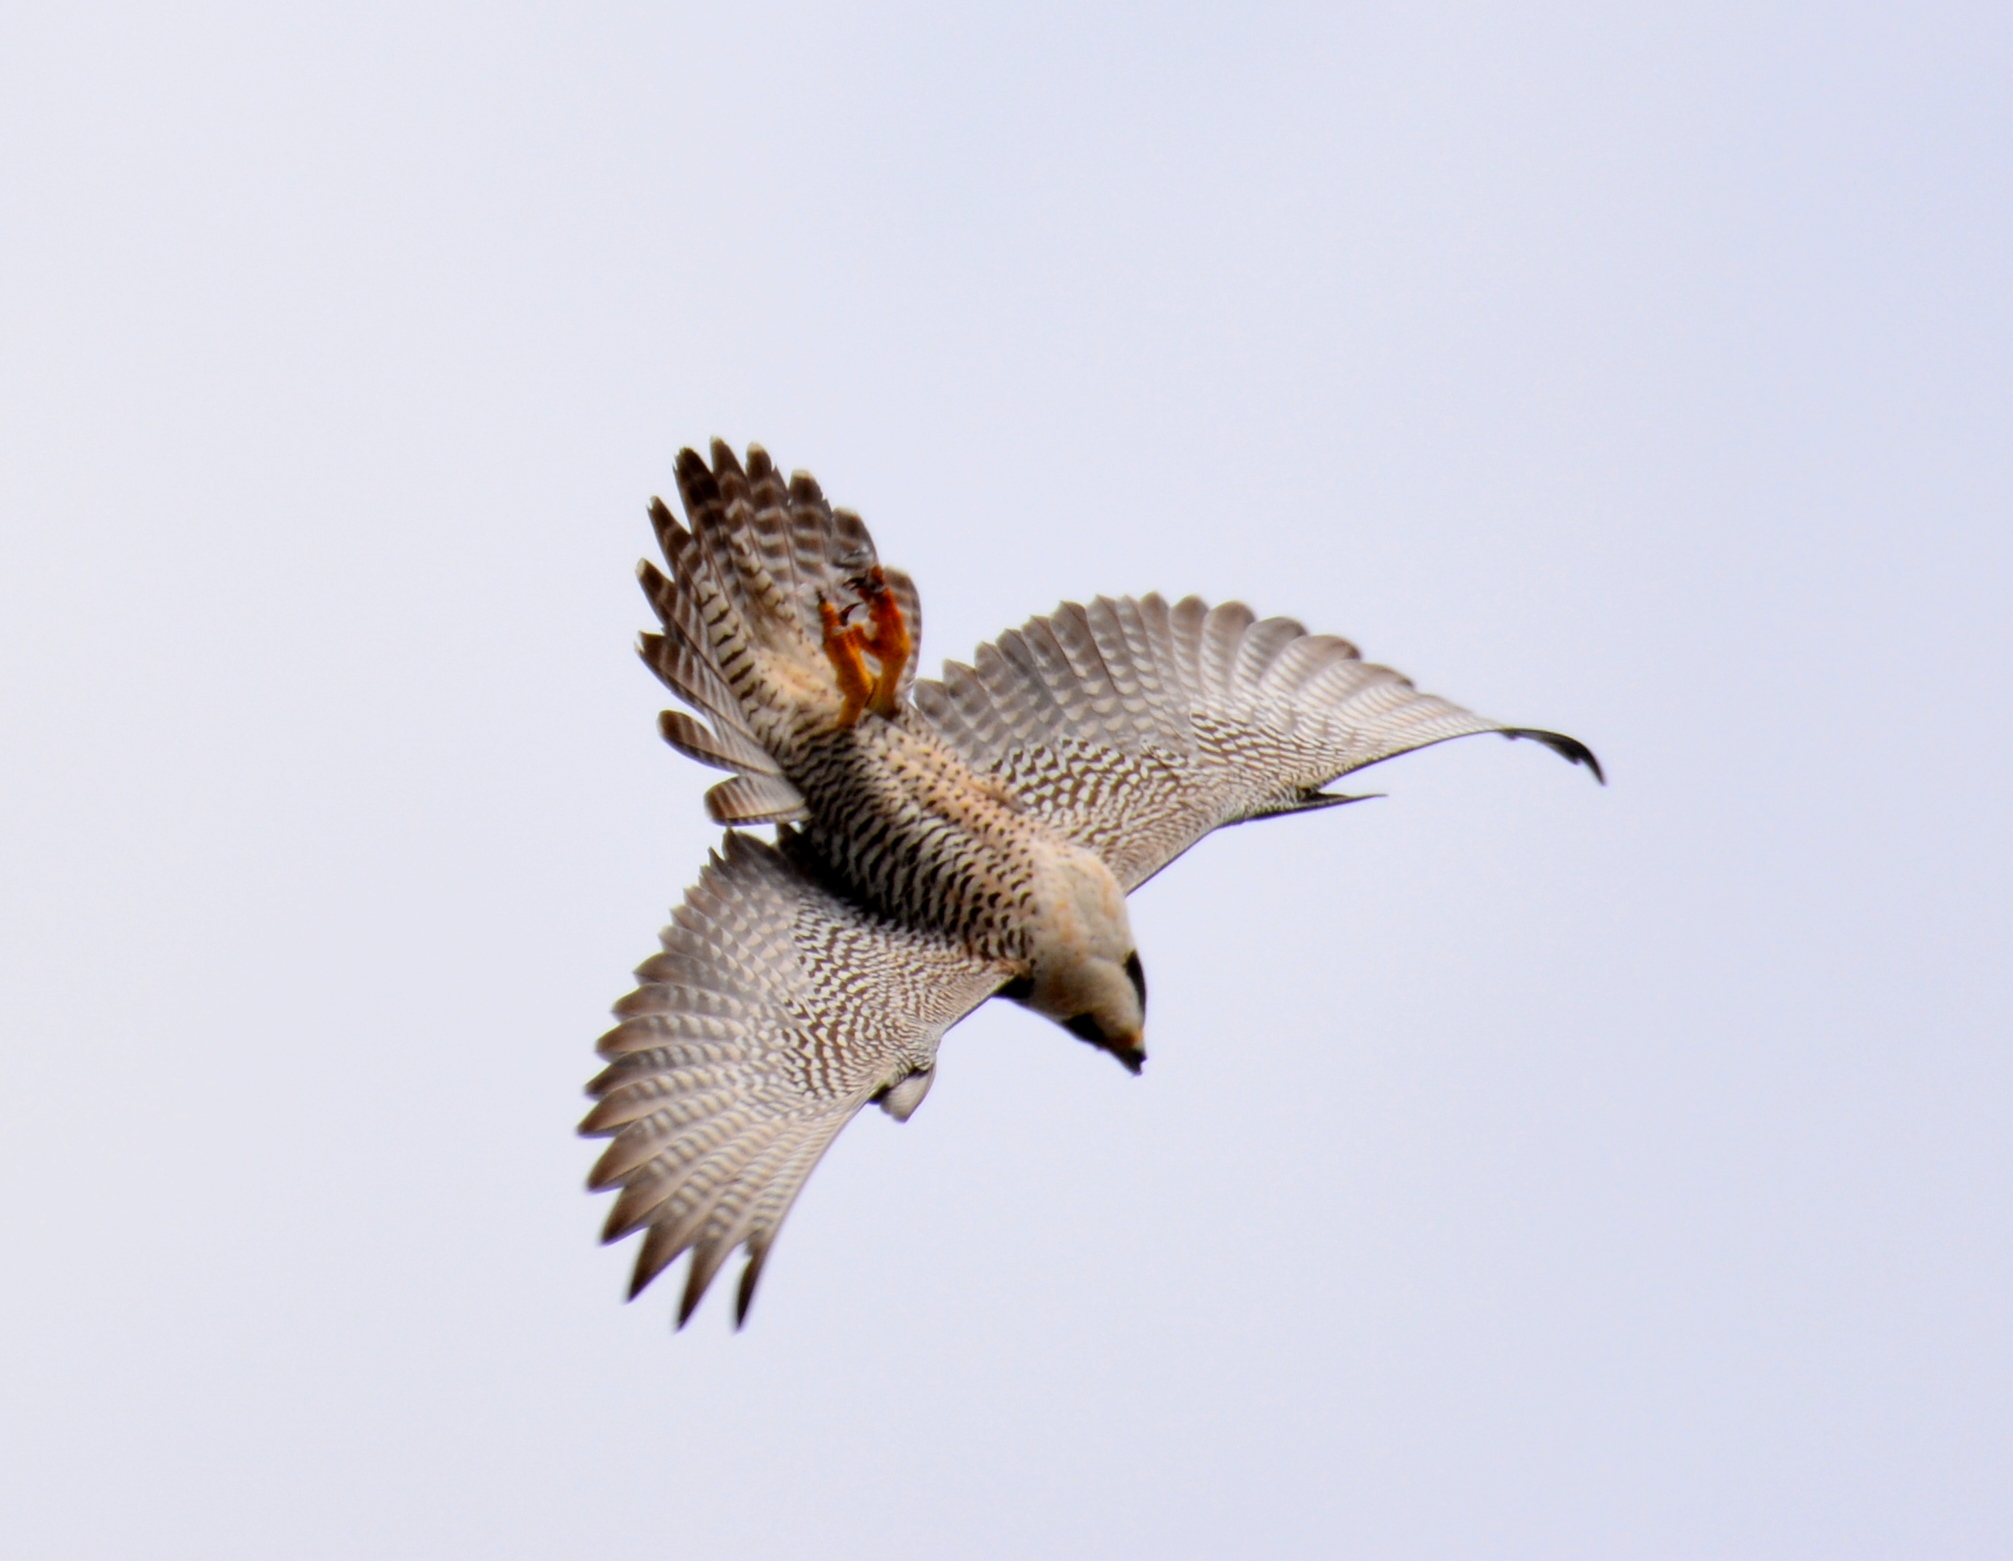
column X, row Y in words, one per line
column 742, row 640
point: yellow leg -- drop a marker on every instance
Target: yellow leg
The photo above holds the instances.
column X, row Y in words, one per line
column 889, row 641
column 843, row 648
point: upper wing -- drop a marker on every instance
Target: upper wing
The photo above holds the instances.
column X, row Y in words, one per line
column 775, row 1012
column 1137, row 728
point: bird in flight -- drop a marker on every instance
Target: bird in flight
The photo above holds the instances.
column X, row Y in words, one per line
column 938, row 843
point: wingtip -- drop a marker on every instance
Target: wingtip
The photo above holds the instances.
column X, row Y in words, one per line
column 1570, row 749
column 744, row 1294
column 705, row 1263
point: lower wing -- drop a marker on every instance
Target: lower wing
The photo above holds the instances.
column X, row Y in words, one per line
column 774, row 1013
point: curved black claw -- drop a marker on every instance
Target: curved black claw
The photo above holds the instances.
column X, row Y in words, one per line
column 1570, row 748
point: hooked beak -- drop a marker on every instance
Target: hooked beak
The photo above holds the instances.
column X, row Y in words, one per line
column 1128, row 1049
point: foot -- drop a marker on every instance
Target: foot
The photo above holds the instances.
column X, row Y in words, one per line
column 845, row 647
column 888, row 640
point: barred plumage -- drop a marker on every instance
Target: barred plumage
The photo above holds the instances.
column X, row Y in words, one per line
column 939, row 842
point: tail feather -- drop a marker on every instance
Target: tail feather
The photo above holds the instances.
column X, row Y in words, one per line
column 724, row 750
column 713, row 578
column 773, row 527
column 755, row 799
column 812, row 545
column 725, row 530
column 688, row 675
column 911, row 604
column 742, row 641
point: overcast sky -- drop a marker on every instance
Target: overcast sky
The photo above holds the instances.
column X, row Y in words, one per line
column 1523, row 1169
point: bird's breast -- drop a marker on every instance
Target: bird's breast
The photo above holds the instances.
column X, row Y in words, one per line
column 914, row 831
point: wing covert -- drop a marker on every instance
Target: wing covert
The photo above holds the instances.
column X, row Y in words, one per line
column 773, row 1013
column 1137, row 727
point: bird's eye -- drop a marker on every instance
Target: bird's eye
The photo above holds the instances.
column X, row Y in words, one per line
column 1137, row 972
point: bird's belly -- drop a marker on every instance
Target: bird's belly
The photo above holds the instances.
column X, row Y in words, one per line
column 914, row 832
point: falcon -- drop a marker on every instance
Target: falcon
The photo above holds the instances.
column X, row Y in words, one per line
column 937, row 843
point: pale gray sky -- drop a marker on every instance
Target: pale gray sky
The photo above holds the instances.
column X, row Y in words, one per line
column 1524, row 1170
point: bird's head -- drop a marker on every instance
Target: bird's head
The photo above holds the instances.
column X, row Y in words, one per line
column 1101, row 1001
column 1083, row 968
column 1113, row 1015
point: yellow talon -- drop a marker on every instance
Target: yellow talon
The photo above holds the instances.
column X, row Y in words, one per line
column 843, row 648
column 848, row 646
column 889, row 641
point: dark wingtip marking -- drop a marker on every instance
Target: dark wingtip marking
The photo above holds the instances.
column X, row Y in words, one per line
column 1307, row 802
column 1333, row 799
column 1568, row 748
column 744, row 1296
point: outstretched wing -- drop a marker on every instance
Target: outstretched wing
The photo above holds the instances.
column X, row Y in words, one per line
column 774, row 1013
column 1137, row 728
